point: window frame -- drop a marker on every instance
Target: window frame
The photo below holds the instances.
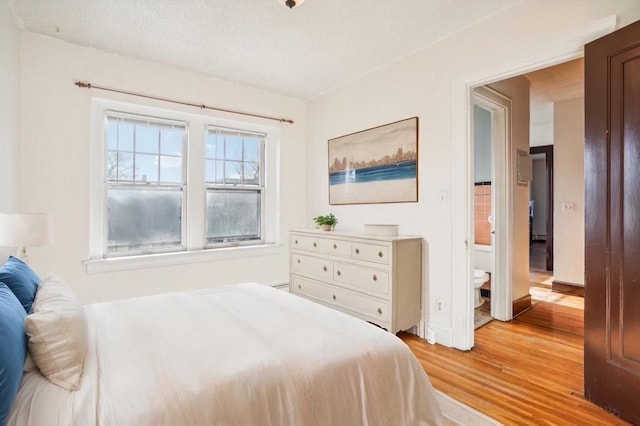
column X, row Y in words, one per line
column 194, row 213
column 159, row 186
column 259, row 188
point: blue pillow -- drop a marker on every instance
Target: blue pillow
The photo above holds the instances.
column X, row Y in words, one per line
column 22, row 281
column 13, row 350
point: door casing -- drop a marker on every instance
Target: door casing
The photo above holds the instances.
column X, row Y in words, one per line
column 501, row 200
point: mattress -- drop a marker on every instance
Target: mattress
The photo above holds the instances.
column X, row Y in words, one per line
column 243, row 354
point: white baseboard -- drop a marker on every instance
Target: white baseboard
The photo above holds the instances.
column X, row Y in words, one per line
column 283, row 286
column 443, row 335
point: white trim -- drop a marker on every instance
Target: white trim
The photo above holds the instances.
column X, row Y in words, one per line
column 112, row 264
column 501, row 199
column 443, row 335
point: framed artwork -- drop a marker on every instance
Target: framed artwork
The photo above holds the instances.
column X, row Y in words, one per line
column 378, row 165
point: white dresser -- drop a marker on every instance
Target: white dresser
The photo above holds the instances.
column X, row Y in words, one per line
column 375, row 278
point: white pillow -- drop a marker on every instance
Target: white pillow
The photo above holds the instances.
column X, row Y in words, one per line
column 58, row 334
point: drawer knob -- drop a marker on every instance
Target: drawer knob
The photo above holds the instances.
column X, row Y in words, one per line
column 379, row 254
column 315, row 245
column 375, row 277
column 380, row 311
column 357, row 251
column 296, row 241
column 338, row 272
column 299, row 286
column 334, row 297
column 298, row 260
column 335, row 246
column 324, row 268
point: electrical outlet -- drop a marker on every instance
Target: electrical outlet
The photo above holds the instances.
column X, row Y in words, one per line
column 439, row 306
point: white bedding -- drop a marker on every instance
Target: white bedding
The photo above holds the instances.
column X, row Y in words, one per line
column 242, row 354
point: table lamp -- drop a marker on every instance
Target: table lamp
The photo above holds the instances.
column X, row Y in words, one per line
column 24, row 230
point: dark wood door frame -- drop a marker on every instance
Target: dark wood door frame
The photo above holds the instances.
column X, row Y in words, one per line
column 547, row 150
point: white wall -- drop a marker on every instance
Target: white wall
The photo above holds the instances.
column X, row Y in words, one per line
column 55, row 148
column 541, row 132
column 568, row 181
column 432, row 84
column 9, row 124
column 539, row 196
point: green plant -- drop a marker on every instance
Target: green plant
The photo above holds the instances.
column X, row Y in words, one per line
column 329, row 219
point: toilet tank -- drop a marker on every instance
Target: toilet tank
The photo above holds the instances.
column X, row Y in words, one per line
column 483, row 257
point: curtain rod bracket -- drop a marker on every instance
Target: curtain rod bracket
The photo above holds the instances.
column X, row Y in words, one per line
column 86, row 85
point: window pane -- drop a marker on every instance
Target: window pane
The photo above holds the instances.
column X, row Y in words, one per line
column 214, row 170
column 233, row 172
column 214, row 145
column 112, row 165
column 251, row 174
column 170, row 169
column 124, row 166
column 233, row 148
column 171, row 141
column 147, row 138
column 112, row 135
column 125, row 136
column 251, row 150
column 233, row 215
column 146, row 168
column 143, row 219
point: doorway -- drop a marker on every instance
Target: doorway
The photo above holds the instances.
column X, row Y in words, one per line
column 529, row 221
column 491, row 254
column 541, row 209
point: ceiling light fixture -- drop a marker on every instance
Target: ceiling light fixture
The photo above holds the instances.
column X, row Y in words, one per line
column 292, row 3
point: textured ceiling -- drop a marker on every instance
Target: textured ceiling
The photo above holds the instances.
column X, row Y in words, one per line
column 301, row 52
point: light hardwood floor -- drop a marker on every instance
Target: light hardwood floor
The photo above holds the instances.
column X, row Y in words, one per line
column 528, row 371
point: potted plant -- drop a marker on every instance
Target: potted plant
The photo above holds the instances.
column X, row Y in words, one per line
column 326, row 223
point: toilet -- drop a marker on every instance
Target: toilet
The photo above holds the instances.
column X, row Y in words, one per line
column 479, row 277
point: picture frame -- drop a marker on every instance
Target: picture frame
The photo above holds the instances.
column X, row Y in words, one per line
column 377, row 165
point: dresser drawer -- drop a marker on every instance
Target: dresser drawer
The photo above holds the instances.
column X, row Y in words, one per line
column 301, row 242
column 366, row 306
column 362, row 277
column 310, row 265
column 370, row 252
column 334, row 247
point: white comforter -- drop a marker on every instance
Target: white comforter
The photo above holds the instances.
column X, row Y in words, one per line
column 235, row 355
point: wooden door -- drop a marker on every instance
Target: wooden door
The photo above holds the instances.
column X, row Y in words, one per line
column 612, row 220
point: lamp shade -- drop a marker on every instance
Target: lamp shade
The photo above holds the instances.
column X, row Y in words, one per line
column 25, row 229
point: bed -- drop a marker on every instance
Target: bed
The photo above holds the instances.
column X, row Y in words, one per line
column 243, row 354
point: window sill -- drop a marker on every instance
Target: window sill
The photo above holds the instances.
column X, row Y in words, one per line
column 93, row 266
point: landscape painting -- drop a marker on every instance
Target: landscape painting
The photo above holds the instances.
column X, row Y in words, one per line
column 378, row 165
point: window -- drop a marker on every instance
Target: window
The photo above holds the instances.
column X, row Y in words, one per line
column 169, row 187
column 145, row 185
column 234, row 180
